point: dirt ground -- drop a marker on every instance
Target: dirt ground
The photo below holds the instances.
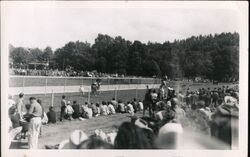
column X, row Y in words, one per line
column 53, row 134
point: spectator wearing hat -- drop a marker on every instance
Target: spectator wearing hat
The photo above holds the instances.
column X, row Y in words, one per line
column 74, row 141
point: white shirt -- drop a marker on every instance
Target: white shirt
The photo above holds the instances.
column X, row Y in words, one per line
column 140, row 105
column 130, row 108
column 69, row 109
column 103, row 110
column 111, row 109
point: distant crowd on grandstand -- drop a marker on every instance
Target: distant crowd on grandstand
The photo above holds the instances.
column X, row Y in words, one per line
column 56, row 72
column 212, row 114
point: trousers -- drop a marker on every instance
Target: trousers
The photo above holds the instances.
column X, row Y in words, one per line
column 34, row 129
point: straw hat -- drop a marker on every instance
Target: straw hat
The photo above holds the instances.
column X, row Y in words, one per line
column 75, row 139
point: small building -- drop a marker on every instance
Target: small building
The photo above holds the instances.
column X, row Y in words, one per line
column 38, row 65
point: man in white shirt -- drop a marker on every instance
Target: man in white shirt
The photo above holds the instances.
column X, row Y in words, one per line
column 35, row 113
column 111, row 109
column 130, row 108
column 103, row 110
column 69, row 111
column 140, row 105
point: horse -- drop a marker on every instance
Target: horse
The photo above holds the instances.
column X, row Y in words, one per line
column 95, row 87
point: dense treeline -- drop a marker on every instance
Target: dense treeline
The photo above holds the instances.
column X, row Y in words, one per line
column 210, row 56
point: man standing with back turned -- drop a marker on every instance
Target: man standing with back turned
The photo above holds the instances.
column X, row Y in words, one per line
column 35, row 113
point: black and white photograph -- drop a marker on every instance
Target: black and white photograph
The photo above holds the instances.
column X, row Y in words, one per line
column 126, row 75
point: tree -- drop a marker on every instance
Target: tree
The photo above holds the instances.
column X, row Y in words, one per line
column 208, row 56
column 47, row 54
column 20, row 55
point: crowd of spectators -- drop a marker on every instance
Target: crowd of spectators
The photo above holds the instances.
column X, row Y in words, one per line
column 58, row 73
column 203, row 118
column 89, row 110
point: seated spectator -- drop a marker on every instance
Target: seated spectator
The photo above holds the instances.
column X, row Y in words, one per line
column 94, row 110
column 111, row 108
column 14, row 117
column 104, row 109
column 121, row 107
column 140, row 104
column 98, row 108
column 130, row 108
column 76, row 108
column 87, row 112
column 69, row 111
column 51, row 115
column 114, row 103
column 45, row 118
column 135, row 105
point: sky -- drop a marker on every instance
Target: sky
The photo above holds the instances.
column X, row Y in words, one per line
column 55, row 25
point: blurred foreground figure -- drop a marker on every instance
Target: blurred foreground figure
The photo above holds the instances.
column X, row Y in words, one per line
column 169, row 136
column 225, row 122
column 75, row 139
column 130, row 136
column 173, row 136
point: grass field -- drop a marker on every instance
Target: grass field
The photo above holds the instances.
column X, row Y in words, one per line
column 55, row 133
column 124, row 95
